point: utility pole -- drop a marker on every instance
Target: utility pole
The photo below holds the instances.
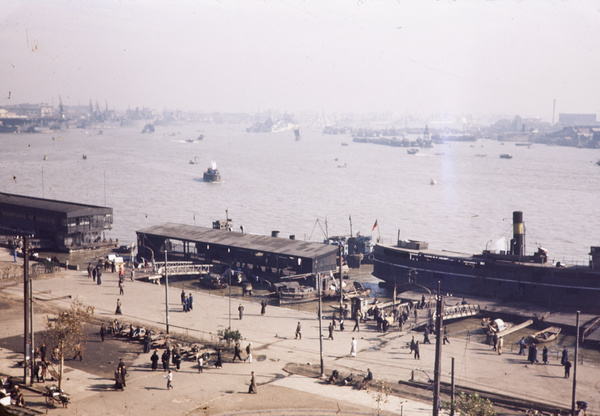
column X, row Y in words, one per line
column 341, row 281
column 438, row 352
column 573, row 399
column 167, row 289
column 452, row 390
column 26, row 300
column 320, row 282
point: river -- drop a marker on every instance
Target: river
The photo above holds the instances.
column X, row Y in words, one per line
column 273, row 182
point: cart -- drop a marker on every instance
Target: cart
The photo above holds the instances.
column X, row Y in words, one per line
column 54, row 395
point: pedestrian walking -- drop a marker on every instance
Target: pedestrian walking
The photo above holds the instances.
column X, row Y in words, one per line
column 241, row 311
column 298, row 331
column 495, row 341
column 263, row 307
column 500, row 344
column 248, row 353
column 236, row 352
column 426, row 336
column 89, row 270
column 445, row 339
column 567, row 368
column 118, row 311
column 412, row 344
column 353, row 347
column 169, row 378
column 121, row 288
column 252, row 388
column 99, row 277
column 330, row 331
column 185, row 304
column 341, row 323
column 102, row 333
column 182, row 296
column 356, row 322
column 190, row 302
column 545, row 355
column 94, row 273
column 417, row 352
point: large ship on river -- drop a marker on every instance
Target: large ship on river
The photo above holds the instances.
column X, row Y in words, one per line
column 510, row 275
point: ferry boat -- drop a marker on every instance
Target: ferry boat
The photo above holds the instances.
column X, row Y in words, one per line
column 510, row 275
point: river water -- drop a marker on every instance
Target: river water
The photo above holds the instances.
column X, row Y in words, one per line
column 273, row 182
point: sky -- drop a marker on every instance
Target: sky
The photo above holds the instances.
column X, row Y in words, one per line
column 406, row 56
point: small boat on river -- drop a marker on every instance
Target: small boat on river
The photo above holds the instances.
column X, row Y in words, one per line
column 505, row 156
column 212, row 174
column 545, row 335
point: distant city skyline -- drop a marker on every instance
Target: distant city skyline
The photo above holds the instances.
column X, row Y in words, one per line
column 422, row 58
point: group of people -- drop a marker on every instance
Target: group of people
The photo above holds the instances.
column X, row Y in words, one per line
column 187, row 301
column 9, row 388
column 335, row 378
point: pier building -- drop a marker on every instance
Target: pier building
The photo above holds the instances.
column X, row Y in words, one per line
column 222, row 245
column 60, row 225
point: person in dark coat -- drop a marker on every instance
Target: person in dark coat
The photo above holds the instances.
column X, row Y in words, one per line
column 533, row 354
column 241, row 311
column 545, row 355
column 165, row 358
column 330, row 331
column 102, row 332
column 236, row 352
column 123, row 371
column 219, row 362
column 99, row 277
column 147, row 342
column 565, row 356
column 252, row 388
column 190, row 302
column 567, row 368
column 177, row 360
column 154, row 360
column 426, row 337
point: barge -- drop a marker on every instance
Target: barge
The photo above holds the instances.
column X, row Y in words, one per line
column 510, row 275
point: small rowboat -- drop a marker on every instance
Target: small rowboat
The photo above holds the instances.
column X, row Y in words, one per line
column 546, row 335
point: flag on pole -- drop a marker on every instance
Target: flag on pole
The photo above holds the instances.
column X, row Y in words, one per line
column 374, row 226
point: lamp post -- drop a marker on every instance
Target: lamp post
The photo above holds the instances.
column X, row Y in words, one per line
column 166, row 288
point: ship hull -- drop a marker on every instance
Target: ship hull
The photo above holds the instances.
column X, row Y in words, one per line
column 464, row 275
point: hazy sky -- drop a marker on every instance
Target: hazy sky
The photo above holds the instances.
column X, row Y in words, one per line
column 422, row 57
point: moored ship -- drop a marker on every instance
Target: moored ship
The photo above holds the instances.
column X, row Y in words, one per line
column 510, row 275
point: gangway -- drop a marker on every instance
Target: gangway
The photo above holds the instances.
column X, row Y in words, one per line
column 179, row 268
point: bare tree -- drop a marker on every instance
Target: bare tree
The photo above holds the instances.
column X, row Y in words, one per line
column 66, row 334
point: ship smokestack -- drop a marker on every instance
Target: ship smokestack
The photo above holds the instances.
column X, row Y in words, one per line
column 517, row 246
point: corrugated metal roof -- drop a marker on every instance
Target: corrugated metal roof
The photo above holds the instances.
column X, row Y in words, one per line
column 71, row 209
column 258, row 243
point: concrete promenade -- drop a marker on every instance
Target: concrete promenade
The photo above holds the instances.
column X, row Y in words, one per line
column 221, row 391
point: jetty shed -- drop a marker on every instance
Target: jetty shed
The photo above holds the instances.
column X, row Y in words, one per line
column 209, row 245
column 54, row 224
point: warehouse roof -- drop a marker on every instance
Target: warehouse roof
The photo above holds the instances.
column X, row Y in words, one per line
column 251, row 242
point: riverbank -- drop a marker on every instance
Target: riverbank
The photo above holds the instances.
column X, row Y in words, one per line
column 223, row 391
